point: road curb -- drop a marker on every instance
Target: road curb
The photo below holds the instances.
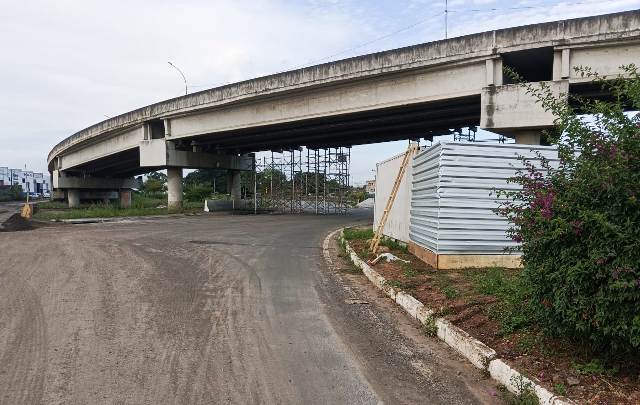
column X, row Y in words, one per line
column 80, row 221
column 479, row 354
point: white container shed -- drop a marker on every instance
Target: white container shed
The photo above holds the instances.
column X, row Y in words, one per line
column 451, row 218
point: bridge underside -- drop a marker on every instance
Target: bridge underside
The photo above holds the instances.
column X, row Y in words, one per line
column 423, row 120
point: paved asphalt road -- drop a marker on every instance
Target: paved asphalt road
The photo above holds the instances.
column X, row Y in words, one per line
column 207, row 309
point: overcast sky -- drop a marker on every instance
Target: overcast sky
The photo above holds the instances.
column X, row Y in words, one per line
column 68, row 64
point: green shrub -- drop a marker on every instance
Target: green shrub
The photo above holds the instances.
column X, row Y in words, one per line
column 140, row 200
column 13, row 193
column 197, row 192
column 578, row 221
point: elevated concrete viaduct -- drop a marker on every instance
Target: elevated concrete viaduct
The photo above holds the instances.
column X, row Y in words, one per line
column 413, row 92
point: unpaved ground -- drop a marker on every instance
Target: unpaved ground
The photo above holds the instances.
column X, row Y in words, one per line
column 236, row 309
column 7, row 209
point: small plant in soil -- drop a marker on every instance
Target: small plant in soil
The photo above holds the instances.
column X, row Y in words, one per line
column 443, row 311
column 450, row 292
column 595, row 367
column 560, row 389
column 396, row 284
column 429, row 327
column 394, row 245
column 409, row 271
column 524, row 396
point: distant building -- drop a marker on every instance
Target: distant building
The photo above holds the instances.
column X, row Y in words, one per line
column 371, row 186
column 29, row 181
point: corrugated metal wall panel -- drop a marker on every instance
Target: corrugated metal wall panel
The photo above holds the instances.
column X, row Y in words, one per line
column 453, row 200
column 423, row 228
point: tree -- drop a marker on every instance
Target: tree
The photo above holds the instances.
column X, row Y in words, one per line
column 579, row 222
column 156, row 183
column 208, row 177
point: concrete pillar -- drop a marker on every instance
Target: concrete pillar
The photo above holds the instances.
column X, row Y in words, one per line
column 73, row 197
column 174, row 187
column 528, row 137
column 233, row 184
column 125, row 198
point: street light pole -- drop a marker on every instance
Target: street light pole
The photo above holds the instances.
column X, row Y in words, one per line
column 183, row 77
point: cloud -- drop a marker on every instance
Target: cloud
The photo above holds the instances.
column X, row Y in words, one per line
column 68, row 63
column 512, row 15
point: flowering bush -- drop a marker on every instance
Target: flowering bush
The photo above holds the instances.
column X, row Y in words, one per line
column 578, row 220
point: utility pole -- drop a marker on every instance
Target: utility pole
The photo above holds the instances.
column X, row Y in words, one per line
column 446, row 18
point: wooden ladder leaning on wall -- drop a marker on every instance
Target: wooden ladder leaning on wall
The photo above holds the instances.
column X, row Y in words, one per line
column 413, row 147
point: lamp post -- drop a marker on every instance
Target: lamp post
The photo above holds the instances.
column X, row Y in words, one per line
column 183, row 77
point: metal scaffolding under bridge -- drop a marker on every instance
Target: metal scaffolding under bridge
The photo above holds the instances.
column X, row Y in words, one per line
column 301, row 181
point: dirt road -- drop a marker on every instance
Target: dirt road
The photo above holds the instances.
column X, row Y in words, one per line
column 235, row 309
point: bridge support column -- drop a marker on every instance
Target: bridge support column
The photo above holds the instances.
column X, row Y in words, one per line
column 73, row 197
column 528, row 137
column 174, row 187
column 234, row 185
column 125, row 198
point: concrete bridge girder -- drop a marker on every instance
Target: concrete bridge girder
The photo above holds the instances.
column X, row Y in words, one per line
column 162, row 153
column 510, row 109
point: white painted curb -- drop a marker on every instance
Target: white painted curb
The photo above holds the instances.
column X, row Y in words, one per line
column 479, row 354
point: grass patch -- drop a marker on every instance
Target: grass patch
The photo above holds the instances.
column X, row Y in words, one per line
column 351, row 234
column 450, row 292
column 393, row 244
column 595, row 367
column 105, row 211
column 52, row 205
column 511, row 294
column 409, row 271
column 560, row 389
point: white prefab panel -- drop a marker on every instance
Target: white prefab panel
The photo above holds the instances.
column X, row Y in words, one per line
column 603, row 60
column 372, row 94
column 397, row 225
column 453, row 198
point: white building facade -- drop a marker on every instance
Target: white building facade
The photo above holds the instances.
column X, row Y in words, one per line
column 35, row 183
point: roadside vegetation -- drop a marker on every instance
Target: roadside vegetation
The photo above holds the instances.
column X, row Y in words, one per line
column 489, row 304
column 140, row 206
column 11, row 193
column 570, row 317
column 578, row 222
column 151, row 199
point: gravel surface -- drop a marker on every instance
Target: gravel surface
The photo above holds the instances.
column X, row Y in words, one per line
column 209, row 309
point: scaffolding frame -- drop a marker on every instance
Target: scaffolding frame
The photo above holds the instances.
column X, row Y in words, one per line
column 303, row 180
